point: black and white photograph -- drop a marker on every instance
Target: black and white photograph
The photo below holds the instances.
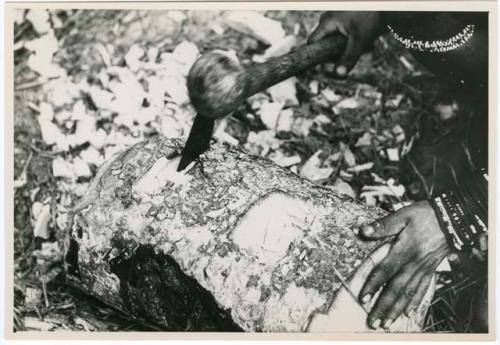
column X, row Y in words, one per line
column 251, row 170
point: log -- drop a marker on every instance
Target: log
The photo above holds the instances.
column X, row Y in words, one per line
column 232, row 243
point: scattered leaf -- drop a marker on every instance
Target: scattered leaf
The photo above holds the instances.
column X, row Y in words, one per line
column 285, row 92
column 349, row 157
column 393, row 154
column 314, row 86
column 283, row 47
column 41, row 227
column 285, row 121
column 330, row 95
column 256, row 25
column 347, row 103
column 365, row 140
column 133, row 56
column 361, row 167
column 32, row 296
column 178, row 16
column 40, row 20
column 286, row 161
column 311, row 169
column 61, row 168
column 322, row 120
column 269, row 113
column 344, row 188
column 385, row 190
column 81, row 168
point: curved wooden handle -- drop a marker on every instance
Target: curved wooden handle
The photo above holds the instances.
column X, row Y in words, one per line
column 217, row 84
column 261, row 76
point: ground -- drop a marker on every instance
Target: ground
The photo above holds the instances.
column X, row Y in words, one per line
column 90, row 83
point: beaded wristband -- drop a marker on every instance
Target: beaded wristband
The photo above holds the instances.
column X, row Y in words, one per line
column 462, row 212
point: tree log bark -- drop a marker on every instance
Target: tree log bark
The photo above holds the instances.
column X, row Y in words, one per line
column 234, row 242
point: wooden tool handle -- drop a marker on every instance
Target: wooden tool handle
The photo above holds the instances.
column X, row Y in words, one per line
column 217, row 84
column 261, row 76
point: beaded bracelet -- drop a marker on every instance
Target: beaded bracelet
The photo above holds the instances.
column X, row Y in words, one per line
column 462, row 212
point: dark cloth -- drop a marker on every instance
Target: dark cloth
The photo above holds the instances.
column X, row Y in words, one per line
column 466, row 68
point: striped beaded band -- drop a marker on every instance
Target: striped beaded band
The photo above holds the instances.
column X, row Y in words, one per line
column 462, row 212
column 438, row 46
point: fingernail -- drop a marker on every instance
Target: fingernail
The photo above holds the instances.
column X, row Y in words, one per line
column 387, row 323
column 410, row 313
column 366, row 298
column 368, row 230
column 376, row 324
column 341, row 70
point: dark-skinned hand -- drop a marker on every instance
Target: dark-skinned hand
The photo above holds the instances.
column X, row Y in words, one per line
column 406, row 272
column 360, row 29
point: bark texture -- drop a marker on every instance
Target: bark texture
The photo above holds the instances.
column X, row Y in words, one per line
column 233, row 243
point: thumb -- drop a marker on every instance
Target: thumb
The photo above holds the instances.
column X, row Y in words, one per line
column 353, row 51
column 384, row 227
column 325, row 27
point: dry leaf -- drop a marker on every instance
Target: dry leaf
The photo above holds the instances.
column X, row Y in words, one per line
column 349, row 157
column 365, row 140
column 81, row 168
column 39, row 19
column 285, row 161
column 41, row 227
column 170, row 127
column 85, row 130
column 18, row 15
column 330, row 95
column 383, row 190
column 302, row 126
column 285, row 121
column 361, row 167
column 269, row 113
column 393, row 154
column 256, row 25
column 260, row 143
column 61, row 168
column 314, row 86
column 106, row 58
column 178, row 16
column 344, row 188
column 186, row 53
column 399, row 133
column 311, row 169
column 133, row 56
column 101, row 98
column 32, row 296
column 34, row 324
column 346, row 103
column 43, row 49
column 400, row 205
column 281, row 48
column 322, row 120
column 446, row 111
column 285, row 92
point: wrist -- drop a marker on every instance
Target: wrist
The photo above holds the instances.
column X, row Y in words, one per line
column 461, row 227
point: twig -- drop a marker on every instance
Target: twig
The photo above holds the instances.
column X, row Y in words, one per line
column 32, row 84
column 33, row 107
column 46, row 154
column 22, row 179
